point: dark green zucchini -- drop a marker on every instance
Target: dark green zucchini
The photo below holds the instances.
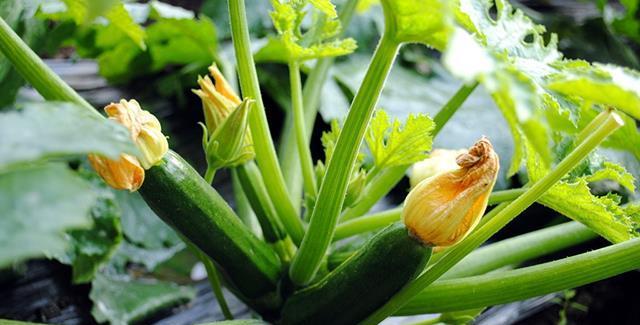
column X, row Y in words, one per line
column 363, row 283
column 185, row 201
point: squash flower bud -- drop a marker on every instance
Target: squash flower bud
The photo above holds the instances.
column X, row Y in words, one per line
column 443, row 209
column 227, row 139
column 122, row 174
column 144, row 128
column 218, row 100
column 439, row 161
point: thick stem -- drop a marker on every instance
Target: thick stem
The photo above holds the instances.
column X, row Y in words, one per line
column 304, row 153
column 36, row 72
column 447, row 111
column 503, row 287
column 334, row 185
column 243, row 206
column 311, row 101
column 265, row 151
column 515, row 250
column 475, row 239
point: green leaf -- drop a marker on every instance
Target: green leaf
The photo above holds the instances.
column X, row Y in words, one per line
column 393, row 144
column 429, row 22
column 38, row 204
column 121, row 300
column 92, row 248
column 57, row 130
column 294, row 45
column 601, row 83
column 326, row 7
column 572, row 197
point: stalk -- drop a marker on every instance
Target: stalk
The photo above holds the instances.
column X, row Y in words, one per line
column 503, row 287
column 374, row 191
column 515, row 250
column 334, row 185
column 475, row 239
column 39, row 75
column 214, row 281
column 311, row 100
column 447, row 111
column 265, row 151
column 301, row 131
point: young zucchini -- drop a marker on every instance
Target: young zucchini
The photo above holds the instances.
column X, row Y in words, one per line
column 362, row 283
column 185, row 201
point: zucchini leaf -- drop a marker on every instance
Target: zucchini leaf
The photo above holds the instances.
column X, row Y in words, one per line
column 392, row 144
column 92, row 248
column 572, row 197
column 58, row 130
column 38, row 203
column 526, row 75
column 122, row 300
column 292, row 44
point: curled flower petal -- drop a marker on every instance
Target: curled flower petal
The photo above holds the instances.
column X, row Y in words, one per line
column 125, row 173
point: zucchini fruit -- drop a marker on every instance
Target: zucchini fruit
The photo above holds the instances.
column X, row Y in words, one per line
column 187, row 203
column 363, row 283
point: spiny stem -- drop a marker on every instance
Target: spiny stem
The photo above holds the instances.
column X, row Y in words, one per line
column 265, row 151
column 475, row 239
column 301, row 133
column 334, row 185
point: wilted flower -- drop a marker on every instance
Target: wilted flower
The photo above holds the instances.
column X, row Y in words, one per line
column 443, row 209
column 122, row 174
column 227, row 138
column 439, row 161
column 144, row 128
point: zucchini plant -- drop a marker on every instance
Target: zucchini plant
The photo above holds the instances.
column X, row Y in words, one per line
column 423, row 256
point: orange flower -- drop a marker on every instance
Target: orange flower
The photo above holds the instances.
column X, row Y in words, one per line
column 439, row 161
column 144, row 128
column 122, row 174
column 218, row 100
column 443, row 209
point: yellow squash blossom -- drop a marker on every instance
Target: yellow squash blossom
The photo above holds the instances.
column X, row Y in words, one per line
column 443, row 209
column 439, row 161
column 127, row 172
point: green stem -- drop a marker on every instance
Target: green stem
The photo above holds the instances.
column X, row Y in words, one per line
column 515, row 250
column 447, row 111
column 213, row 276
column 475, row 239
column 265, row 151
column 379, row 220
column 334, row 185
column 210, row 174
column 505, row 195
column 503, row 287
column 311, row 101
column 301, row 132
column 365, row 224
column 374, row 191
column 243, row 206
column 35, row 71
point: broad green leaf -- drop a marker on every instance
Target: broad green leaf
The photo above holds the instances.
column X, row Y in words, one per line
column 121, row 300
column 38, row 204
column 86, row 11
column 57, row 130
column 92, row 248
column 393, row 144
column 429, row 22
column 601, row 83
column 572, row 197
